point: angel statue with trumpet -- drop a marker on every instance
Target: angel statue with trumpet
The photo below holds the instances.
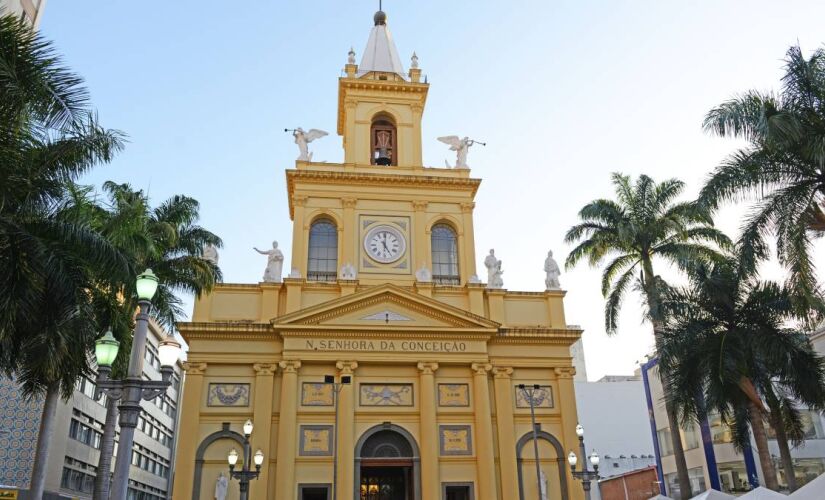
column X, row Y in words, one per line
column 303, row 138
column 460, row 146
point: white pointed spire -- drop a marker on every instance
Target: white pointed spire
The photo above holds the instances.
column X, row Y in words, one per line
column 380, row 53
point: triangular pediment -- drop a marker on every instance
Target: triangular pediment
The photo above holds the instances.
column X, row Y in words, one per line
column 386, row 306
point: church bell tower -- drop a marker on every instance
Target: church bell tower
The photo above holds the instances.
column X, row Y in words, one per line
column 381, row 215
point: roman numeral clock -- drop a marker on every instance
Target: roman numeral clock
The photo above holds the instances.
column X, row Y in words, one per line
column 385, row 245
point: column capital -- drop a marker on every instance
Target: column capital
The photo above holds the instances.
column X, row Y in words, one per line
column 194, row 368
column 299, row 200
column 290, row 365
column 502, row 371
column 346, row 367
column 349, row 202
column 262, row 369
column 427, row 368
column 565, row 371
column 467, row 206
column 419, row 205
column 481, row 369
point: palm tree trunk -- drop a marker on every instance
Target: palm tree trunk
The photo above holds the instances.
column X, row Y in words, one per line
column 778, row 425
column 107, row 449
column 44, row 439
column 651, row 294
column 761, row 438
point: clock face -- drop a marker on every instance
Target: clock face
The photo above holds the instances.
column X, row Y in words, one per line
column 384, row 244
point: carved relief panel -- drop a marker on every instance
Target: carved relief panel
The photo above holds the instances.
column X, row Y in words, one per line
column 221, row 394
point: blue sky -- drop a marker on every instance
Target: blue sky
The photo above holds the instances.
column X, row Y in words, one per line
column 564, row 92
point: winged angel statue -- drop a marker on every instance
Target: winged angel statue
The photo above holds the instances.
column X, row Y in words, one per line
column 302, row 138
column 460, row 146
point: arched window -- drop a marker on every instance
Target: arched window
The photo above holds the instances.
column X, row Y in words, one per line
column 383, row 141
column 323, row 251
column 445, row 255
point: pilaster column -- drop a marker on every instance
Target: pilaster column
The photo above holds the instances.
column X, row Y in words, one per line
column 349, row 253
column 346, row 430
column 506, row 431
column 569, row 417
column 287, row 432
column 419, row 221
column 188, row 429
column 430, row 481
column 350, row 140
column 485, row 461
column 299, row 256
column 417, row 156
column 468, row 267
column 262, row 418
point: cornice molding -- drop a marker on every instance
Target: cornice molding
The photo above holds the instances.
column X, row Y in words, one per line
column 374, row 179
column 381, row 334
column 551, row 336
column 226, row 330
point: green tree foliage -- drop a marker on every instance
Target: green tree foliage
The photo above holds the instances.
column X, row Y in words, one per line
column 642, row 225
column 50, row 259
column 783, row 166
column 726, row 348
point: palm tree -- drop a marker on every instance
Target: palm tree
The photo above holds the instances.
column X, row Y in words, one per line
column 727, row 342
column 642, row 225
column 166, row 239
column 783, row 165
column 49, row 259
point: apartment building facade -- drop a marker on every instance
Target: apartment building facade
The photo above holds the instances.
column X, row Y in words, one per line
column 75, row 450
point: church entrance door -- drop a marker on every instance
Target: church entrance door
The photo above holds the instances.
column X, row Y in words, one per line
column 387, row 465
column 386, row 481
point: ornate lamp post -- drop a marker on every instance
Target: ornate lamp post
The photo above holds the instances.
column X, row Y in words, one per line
column 534, row 395
column 584, row 475
column 336, row 388
column 133, row 389
column 245, row 474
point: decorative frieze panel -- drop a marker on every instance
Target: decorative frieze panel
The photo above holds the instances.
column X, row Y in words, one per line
column 316, row 440
column 386, row 395
column 542, row 397
column 455, row 439
column 316, row 394
column 454, row 395
column 222, row 394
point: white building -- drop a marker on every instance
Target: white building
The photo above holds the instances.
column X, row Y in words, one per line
column 711, row 458
column 613, row 415
column 74, row 451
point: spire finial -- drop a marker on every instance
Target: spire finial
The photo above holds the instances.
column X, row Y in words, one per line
column 380, row 17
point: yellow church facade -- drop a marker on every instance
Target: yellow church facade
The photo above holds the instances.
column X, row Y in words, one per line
column 380, row 367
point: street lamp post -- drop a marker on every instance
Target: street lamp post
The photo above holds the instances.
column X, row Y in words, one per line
column 336, row 388
column 534, row 396
column 584, row 475
column 133, row 389
column 245, row 474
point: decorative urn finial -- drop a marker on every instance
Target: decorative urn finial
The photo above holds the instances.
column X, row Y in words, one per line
column 351, row 56
column 414, row 61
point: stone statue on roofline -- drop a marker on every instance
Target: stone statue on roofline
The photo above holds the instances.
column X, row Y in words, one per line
column 494, row 272
column 461, row 147
column 551, row 268
column 274, row 263
column 303, row 138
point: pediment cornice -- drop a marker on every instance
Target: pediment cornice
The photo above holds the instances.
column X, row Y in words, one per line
column 452, row 318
